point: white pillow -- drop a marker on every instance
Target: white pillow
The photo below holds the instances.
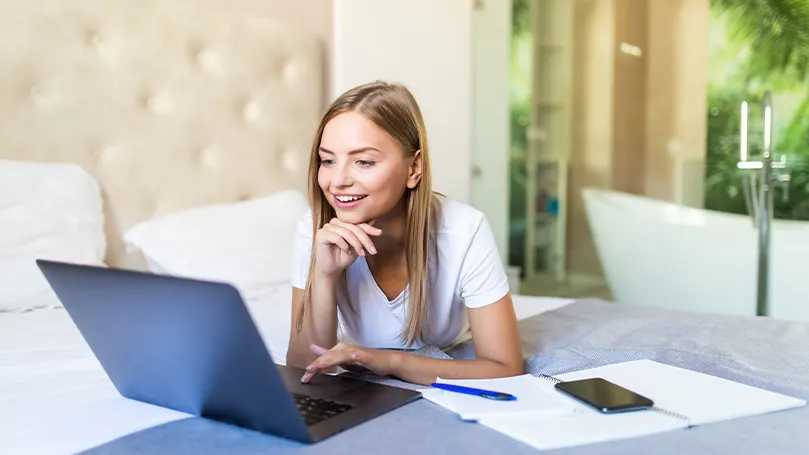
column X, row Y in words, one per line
column 49, row 211
column 247, row 244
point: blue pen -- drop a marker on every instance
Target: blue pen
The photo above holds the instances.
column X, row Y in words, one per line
column 492, row 395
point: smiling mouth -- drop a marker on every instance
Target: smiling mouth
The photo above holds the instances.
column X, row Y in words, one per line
column 349, row 198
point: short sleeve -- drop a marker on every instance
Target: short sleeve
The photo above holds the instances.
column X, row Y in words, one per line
column 301, row 251
column 483, row 278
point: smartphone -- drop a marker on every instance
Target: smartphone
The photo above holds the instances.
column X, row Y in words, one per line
column 604, row 395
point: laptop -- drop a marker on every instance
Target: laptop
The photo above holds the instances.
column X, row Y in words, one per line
column 192, row 346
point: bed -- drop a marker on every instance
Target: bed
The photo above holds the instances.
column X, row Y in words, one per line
column 157, row 135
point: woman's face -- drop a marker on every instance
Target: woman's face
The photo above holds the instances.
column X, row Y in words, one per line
column 363, row 172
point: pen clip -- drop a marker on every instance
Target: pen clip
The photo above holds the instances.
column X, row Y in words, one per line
column 497, row 396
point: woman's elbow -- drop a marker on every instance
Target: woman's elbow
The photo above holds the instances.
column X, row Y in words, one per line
column 506, row 368
column 513, row 368
column 518, row 369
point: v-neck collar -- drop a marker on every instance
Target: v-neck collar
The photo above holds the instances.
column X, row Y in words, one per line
column 398, row 300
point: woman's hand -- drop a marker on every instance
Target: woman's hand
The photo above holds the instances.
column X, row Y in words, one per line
column 339, row 244
column 351, row 358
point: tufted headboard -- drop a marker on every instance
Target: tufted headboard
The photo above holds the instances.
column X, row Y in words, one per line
column 168, row 104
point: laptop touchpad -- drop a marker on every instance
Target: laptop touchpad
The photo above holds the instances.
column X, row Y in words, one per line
column 320, row 386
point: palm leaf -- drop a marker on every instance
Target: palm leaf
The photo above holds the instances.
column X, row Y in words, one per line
column 776, row 31
column 521, row 16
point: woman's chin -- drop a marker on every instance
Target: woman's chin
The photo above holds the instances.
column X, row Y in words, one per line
column 351, row 217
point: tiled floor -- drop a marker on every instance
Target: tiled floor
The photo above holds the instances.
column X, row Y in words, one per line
column 573, row 287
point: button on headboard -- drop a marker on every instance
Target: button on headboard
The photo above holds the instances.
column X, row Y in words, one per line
column 168, row 104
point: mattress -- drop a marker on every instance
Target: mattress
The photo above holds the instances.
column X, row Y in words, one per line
column 55, row 398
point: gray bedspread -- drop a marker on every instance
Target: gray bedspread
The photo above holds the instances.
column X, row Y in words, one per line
column 757, row 351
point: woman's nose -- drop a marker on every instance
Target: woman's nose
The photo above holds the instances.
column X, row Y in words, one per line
column 343, row 177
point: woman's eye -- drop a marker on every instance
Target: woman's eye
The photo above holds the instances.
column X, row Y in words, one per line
column 326, row 162
column 364, row 163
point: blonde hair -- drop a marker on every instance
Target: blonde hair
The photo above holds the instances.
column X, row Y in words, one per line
column 394, row 109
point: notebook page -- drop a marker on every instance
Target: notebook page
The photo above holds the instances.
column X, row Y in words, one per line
column 437, row 397
column 533, row 395
column 586, row 426
column 701, row 397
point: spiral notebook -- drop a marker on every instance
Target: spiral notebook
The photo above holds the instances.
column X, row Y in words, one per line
column 683, row 398
column 534, row 397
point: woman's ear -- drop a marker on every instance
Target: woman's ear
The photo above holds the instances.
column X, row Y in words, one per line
column 414, row 175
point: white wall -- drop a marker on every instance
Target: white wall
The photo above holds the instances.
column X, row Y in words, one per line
column 491, row 50
column 426, row 45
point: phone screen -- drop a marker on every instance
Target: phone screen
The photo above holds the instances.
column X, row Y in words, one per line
column 604, row 395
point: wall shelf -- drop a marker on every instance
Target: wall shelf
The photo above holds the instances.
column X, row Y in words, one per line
column 549, row 138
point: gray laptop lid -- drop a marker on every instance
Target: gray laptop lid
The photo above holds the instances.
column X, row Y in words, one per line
column 179, row 343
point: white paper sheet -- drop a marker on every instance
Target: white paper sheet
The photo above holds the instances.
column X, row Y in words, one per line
column 702, row 398
column 532, row 396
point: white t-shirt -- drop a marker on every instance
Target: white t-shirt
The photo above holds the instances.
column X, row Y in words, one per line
column 470, row 275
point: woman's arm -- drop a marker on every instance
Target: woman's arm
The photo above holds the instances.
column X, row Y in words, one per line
column 336, row 245
column 498, row 352
column 319, row 324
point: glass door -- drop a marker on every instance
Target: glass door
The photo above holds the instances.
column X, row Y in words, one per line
column 638, row 152
column 757, row 47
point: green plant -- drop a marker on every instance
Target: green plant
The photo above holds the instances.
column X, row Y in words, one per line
column 766, row 46
column 776, row 33
column 519, row 111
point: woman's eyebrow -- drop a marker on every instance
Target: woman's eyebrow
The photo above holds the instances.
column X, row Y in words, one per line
column 352, row 152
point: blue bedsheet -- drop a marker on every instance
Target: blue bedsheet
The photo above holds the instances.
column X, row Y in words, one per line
column 757, row 351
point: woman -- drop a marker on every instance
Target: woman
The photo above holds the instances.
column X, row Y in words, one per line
column 402, row 266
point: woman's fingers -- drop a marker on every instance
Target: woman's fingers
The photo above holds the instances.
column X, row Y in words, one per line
column 327, row 359
column 338, row 241
column 323, row 363
column 360, row 233
column 354, row 235
column 348, row 236
column 330, row 359
column 369, row 229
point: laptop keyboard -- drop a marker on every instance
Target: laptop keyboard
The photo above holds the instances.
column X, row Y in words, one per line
column 316, row 410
